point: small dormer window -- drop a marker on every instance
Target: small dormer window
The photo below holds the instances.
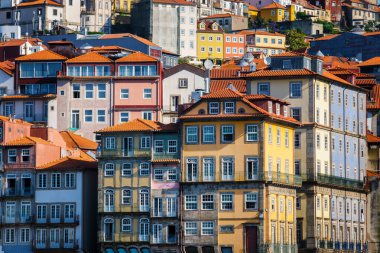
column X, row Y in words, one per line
column 285, row 111
column 214, row 27
column 278, row 109
column 270, row 109
column 202, row 26
column 287, row 64
column 214, row 108
column 229, row 107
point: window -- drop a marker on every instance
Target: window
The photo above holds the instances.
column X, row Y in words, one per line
column 124, row 93
column 101, row 90
column 297, row 167
column 287, row 64
column 263, row 88
column 191, row 134
column 158, row 174
column 192, row 169
column 214, row 107
column 286, row 138
column 144, row 200
column 295, row 90
column 318, row 137
column 191, row 202
column 144, row 169
column 270, row 134
column 9, row 235
column 24, row 235
column 101, row 116
column 42, row 181
column 126, row 225
column 124, row 117
column 172, row 174
column 229, row 107
column 250, row 200
column 226, row 200
column 317, row 91
column 252, row 164
column 278, row 139
column 227, row 168
column 251, row 133
column 207, row 202
column 76, row 90
column 12, row 155
column 182, row 83
column 56, row 180
column 191, row 228
column 88, row 115
column 207, row 228
column 41, row 211
column 172, row 146
column 208, row 169
column 145, row 142
column 126, row 198
column 25, row 155
column 70, row 180
column 89, row 90
column 159, row 146
column 208, row 134
column 147, row 93
column 296, row 113
column 126, row 169
column 227, row 133
column 110, row 143
column 109, row 169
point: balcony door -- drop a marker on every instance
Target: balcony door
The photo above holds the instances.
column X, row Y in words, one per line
column 251, row 238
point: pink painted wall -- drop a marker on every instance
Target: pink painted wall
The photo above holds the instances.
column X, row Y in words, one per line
column 136, row 114
column 17, row 130
column 47, row 153
column 136, row 91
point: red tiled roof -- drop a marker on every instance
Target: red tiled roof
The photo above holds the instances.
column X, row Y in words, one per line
column 175, row 2
column 38, row 2
column 371, row 62
column 372, row 174
column 76, row 141
column 27, row 141
column 19, row 42
column 264, row 97
column 208, row 27
column 374, row 103
column 84, row 161
column 224, row 73
column 239, row 84
column 8, row 67
column 221, row 15
column 137, row 57
column 371, row 33
column 372, row 138
column 294, row 54
column 4, row 118
column 327, row 37
column 166, row 161
column 330, row 76
column 139, row 125
column 62, row 42
column 252, row 8
column 90, row 57
column 273, row 5
column 44, row 55
column 21, row 97
column 365, row 82
column 259, row 32
column 364, row 75
column 249, row 100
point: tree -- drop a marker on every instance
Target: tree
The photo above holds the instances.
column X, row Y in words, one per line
column 259, row 22
column 370, row 26
column 328, row 27
column 302, row 16
column 183, row 60
column 295, row 39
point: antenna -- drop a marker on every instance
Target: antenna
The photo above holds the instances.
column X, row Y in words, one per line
column 252, row 67
column 267, row 60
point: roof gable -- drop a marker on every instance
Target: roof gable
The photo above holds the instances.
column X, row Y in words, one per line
column 137, row 57
column 89, row 57
column 44, row 55
column 184, row 67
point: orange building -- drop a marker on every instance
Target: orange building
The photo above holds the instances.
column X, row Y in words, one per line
column 233, row 45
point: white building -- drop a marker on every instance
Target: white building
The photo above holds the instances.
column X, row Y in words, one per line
column 179, row 83
column 10, row 32
column 174, row 26
column 6, row 78
column 96, row 16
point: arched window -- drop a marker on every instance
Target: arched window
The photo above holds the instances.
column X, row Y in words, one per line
column 144, row 200
column 108, row 229
column 126, row 197
column 109, row 200
column 126, row 225
column 144, row 230
column 109, row 169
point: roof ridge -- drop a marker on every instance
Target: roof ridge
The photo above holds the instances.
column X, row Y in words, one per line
column 143, row 122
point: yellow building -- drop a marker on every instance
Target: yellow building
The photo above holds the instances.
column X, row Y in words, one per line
column 238, row 181
column 252, row 12
column 266, row 42
column 290, row 13
column 209, row 41
column 122, row 6
column 274, row 12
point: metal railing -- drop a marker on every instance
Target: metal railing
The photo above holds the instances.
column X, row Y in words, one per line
column 278, row 248
column 339, row 181
column 274, row 177
column 337, row 245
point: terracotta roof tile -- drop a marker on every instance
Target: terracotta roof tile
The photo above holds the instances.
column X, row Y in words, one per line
column 374, row 102
column 294, row 54
column 27, row 141
column 252, row 8
column 224, row 73
column 365, row 82
column 71, row 163
column 60, row 42
column 19, row 42
column 8, row 67
column 137, row 57
column 76, row 141
column 327, row 37
column 259, row 32
column 21, row 97
column 239, row 84
column 265, row 97
column 19, row 121
column 364, row 75
column 273, row 5
column 208, row 27
column 371, row 33
column 371, row 62
column 221, row 15
column 328, row 75
column 90, row 57
column 225, row 93
column 137, row 125
column 166, row 161
column 175, row 2
column 372, row 138
column 373, row 174
column 38, row 2
column 44, row 55
column 281, row 73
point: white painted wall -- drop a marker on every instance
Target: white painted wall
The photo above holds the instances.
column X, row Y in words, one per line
column 9, row 30
column 6, row 81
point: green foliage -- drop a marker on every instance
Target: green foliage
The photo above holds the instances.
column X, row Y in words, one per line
column 328, row 27
column 302, row 16
column 370, row 26
column 259, row 22
column 183, row 60
column 295, row 39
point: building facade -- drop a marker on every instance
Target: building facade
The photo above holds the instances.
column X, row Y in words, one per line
column 209, row 41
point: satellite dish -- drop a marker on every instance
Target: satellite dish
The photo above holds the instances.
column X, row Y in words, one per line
column 252, row 67
column 208, row 64
column 267, row 60
column 248, row 56
column 243, row 63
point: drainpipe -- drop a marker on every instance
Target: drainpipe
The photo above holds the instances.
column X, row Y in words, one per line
column 112, row 111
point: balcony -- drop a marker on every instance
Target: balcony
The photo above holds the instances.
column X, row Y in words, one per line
column 18, row 192
column 278, row 248
column 274, row 177
column 143, row 238
column 335, row 181
column 109, row 153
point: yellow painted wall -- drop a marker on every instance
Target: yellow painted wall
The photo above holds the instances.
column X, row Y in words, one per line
column 265, row 41
column 122, row 5
column 275, row 15
column 291, row 9
column 203, row 41
column 253, row 14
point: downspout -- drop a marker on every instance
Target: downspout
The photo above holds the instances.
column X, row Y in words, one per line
column 112, row 112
